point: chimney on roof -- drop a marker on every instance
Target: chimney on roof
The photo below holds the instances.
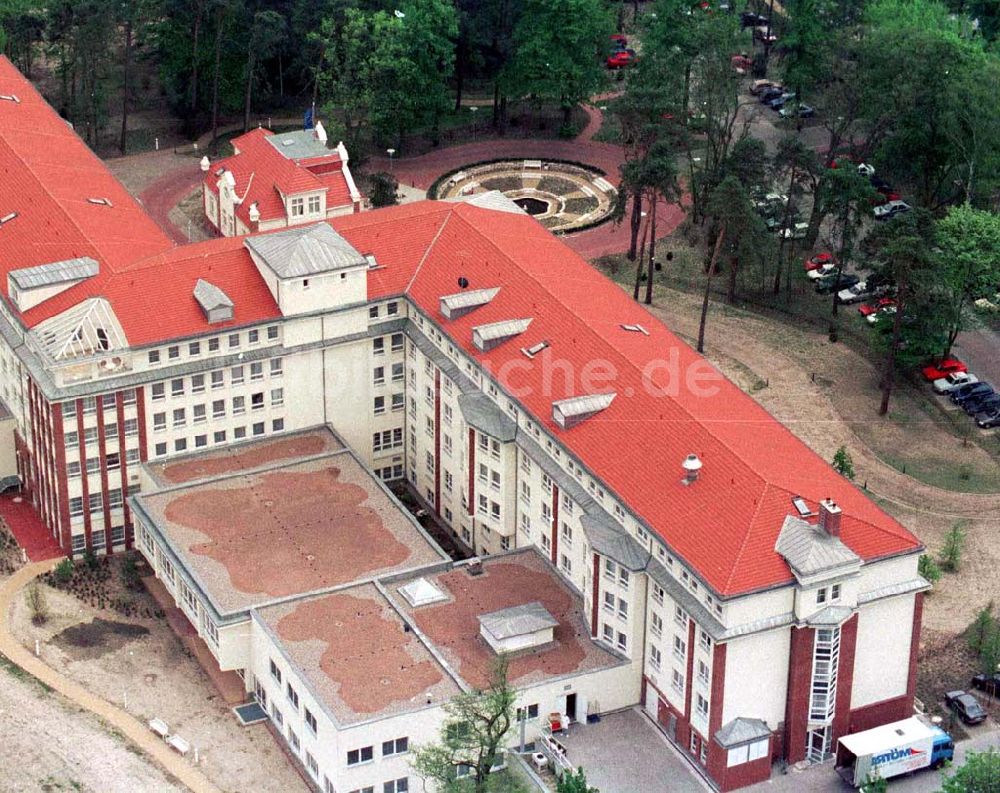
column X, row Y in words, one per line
column 829, row 517
column 691, row 465
column 320, row 132
column 205, row 164
column 254, row 212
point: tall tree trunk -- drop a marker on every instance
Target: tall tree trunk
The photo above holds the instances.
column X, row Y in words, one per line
column 194, row 57
column 708, row 286
column 639, row 262
column 889, row 375
column 734, row 269
column 496, row 105
column 219, row 18
column 784, row 224
column 248, row 90
column 126, row 74
column 459, row 75
column 652, row 252
column 636, row 222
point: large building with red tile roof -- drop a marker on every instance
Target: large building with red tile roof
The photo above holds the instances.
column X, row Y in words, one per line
column 274, row 181
column 768, row 605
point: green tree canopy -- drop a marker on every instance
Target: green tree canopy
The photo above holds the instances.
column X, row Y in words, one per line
column 979, row 774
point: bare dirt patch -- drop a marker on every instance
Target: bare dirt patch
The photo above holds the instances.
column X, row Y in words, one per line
column 97, row 638
column 158, row 678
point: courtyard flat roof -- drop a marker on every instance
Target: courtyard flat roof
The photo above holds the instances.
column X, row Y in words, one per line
column 273, row 524
column 353, row 651
column 506, row 581
column 243, row 457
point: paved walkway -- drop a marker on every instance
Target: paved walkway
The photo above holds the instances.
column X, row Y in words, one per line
column 130, row 727
column 28, row 529
column 625, row 753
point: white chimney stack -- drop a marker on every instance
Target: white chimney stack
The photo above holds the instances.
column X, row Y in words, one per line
column 320, row 132
column 254, row 213
column 829, row 517
column 691, row 465
column 205, row 164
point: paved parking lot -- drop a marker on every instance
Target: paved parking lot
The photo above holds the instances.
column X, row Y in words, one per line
column 625, row 753
column 823, row 779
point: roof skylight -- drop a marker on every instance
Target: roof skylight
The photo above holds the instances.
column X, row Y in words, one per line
column 7, row 218
column 636, row 329
column 106, row 202
column 534, row 349
column 486, row 337
column 568, row 413
column 10, row 98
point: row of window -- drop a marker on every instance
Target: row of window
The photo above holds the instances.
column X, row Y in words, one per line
column 391, row 310
column 112, row 460
column 237, row 376
column 90, row 404
column 214, row 344
column 91, row 435
column 199, row 413
column 220, row 436
column 98, row 539
column 395, row 341
column 95, row 501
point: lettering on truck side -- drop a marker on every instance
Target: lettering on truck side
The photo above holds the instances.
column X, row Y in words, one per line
column 895, row 754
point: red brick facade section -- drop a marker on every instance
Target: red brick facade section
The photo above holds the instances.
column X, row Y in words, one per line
column 797, row 702
column 85, row 493
column 879, row 713
column 140, row 412
column 59, row 452
column 845, row 679
column 918, row 616
column 123, row 470
column 103, row 458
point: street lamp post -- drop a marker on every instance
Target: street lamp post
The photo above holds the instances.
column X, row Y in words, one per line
column 473, row 109
column 390, row 152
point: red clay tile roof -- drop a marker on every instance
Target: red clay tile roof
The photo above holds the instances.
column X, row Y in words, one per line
column 724, row 525
column 48, row 174
column 263, row 174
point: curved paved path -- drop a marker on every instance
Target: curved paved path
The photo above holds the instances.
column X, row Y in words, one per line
column 134, row 730
column 181, row 175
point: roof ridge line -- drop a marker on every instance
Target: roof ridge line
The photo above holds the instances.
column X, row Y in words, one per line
column 430, row 247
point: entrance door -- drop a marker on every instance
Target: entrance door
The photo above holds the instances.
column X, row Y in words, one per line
column 818, row 744
column 571, row 706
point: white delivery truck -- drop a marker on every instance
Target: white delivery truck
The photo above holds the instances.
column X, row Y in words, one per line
column 891, row 750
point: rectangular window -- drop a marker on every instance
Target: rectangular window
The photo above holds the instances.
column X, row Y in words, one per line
column 396, row 746
column 198, row 413
column 218, row 408
column 239, row 405
column 131, row 455
column 253, row 336
column 73, row 469
column 703, row 672
column 213, row 344
column 219, row 436
column 177, row 387
column 257, row 401
column 75, row 507
column 397, row 373
column 357, row 756
column 180, row 444
column 378, row 346
column 277, row 425
column 310, row 720
column 218, row 379
column 680, row 648
column 705, row 641
column 115, row 498
column 256, row 371
column 160, row 449
column 258, row 428
column 173, row 352
column 128, row 396
column 680, row 617
column 154, row 357
column 293, row 695
column 157, row 391
column 194, row 348
column 236, row 375
column 677, row 681
column 378, row 375
column 655, row 624
column 114, row 461
column 179, row 417
column 392, row 309
column 200, row 441
column 379, row 405
column 702, row 706
column 397, row 786
column 234, row 340
column 275, row 672
column 131, row 428
column 197, row 384
column 313, row 204
column 372, row 312
column 272, row 332
column 94, row 502
column 296, row 207
column 655, row 657
column 159, row 422
column 397, row 342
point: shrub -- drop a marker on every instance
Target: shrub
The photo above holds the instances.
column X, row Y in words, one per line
column 64, row 571
column 929, row 569
column 91, row 559
column 842, row 463
column 36, row 604
column 951, row 551
column 129, row 573
column 382, row 190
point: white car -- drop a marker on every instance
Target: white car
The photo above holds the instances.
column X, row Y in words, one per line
column 866, row 170
column 853, row 293
column 947, row 384
column 796, row 232
column 871, row 319
column 890, row 209
column 822, row 271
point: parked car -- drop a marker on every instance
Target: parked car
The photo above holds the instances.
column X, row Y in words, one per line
column 988, row 420
column 741, row 64
column 873, row 319
column 966, row 392
column 757, row 87
column 771, row 201
column 823, row 271
column 748, row 19
column 945, row 385
column 882, row 303
column 813, row 262
column 966, row 706
column 854, row 294
column 619, row 41
column 802, row 111
column 890, row 209
column 943, row 368
column 621, row 59
column 834, row 283
column 768, row 94
column 986, row 402
column 778, row 102
column 988, row 683
column 797, row 231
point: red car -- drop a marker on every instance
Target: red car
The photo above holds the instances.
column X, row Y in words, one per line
column 867, row 309
column 943, row 368
column 741, row 64
column 817, row 261
column 621, row 59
